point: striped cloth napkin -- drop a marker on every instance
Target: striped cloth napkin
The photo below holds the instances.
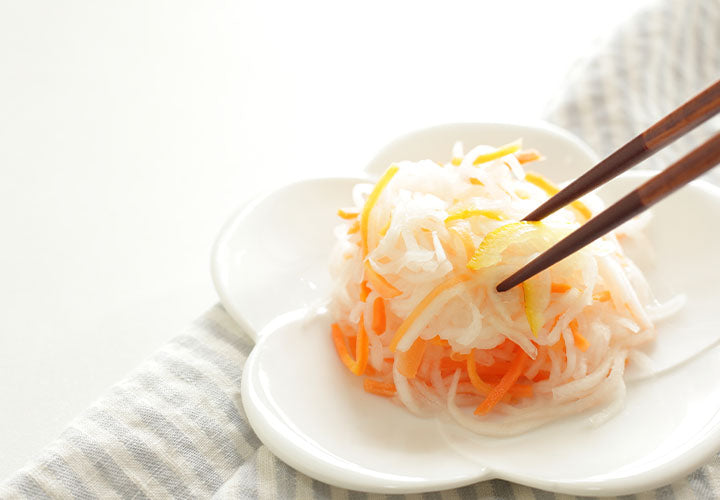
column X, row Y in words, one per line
column 175, row 427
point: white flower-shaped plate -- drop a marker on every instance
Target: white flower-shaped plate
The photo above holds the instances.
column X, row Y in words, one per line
column 270, row 270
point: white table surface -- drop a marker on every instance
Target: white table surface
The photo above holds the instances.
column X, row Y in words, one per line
column 130, row 130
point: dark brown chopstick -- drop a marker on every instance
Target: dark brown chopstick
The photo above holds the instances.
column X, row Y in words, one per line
column 689, row 167
column 688, row 116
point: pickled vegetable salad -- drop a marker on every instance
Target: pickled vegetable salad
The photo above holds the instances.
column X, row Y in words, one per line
column 418, row 317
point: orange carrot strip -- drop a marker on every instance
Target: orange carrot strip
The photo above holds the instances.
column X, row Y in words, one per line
column 409, row 361
column 405, row 325
column 352, row 344
column 559, row 346
column 518, row 390
column 580, row 341
column 508, row 380
column 370, row 203
column 357, row 365
column 497, row 368
column 380, row 284
column 386, row 389
column 475, row 379
column 527, row 155
column 456, row 356
column 521, row 390
column 364, row 290
column 449, row 365
column 436, row 340
column 347, row 214
column 603, row 296
column 370, row 371
column 378, row 319
column 559, row 288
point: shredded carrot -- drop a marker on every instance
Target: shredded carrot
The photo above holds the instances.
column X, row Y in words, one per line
column 347, row 214
column 498, row 153
column 551, row 189
column 467, row 213
column 528, row 155
column 603, row 296
column 370, row 371
column 357, row 365
column 456, row 356
column 506, row 382
column 559, row 287
column 408, row 362
column 386, row 389
column 580, row 341
column 436, row 340
column 559, row 346
column 370, row 203
column 364, row 290
column 475, row 379
column 448, row 366
column 426, row 301
column 354, row 227
column 497, row 368
column 378, row 319
column 380, row 284
column 519, row 390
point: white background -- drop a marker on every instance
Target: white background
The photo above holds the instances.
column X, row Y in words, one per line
column 130, row 130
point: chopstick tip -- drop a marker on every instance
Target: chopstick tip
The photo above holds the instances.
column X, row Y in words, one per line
column 505, row 285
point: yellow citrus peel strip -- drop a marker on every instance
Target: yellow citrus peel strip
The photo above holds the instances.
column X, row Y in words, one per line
column 496, row 241
column 534, row 304
column 370, row 203
column 347, row 214
column 551, row 189
column 472, row 212
column 505, row 150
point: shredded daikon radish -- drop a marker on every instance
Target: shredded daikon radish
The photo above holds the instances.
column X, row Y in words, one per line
column 434, row 241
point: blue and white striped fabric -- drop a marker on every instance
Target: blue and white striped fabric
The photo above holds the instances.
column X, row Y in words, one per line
column 175, row 427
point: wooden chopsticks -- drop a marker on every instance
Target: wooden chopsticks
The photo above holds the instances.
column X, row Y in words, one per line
column 700, row 160
column 697, row 110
